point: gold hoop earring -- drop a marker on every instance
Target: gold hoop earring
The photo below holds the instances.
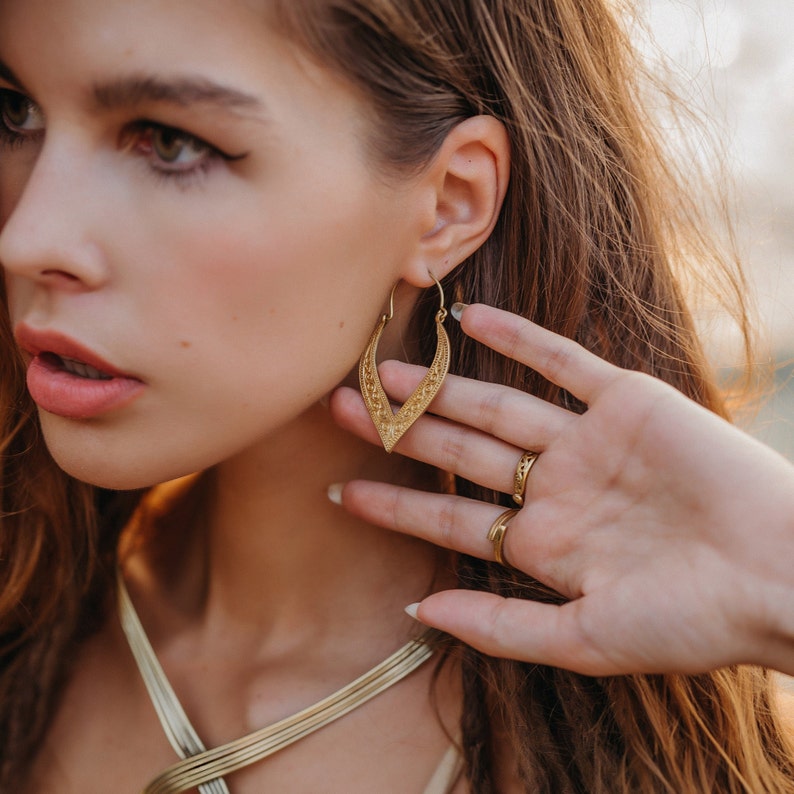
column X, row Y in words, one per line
column 392, row 427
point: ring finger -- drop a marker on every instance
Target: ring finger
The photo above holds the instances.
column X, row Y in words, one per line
column 442, row 519
column 459, row 524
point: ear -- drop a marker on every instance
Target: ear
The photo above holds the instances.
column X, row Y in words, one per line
column 467, row 180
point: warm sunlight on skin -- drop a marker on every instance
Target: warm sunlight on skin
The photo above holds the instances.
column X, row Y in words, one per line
column 196, row 241
column 213, row 229
column 196, row 249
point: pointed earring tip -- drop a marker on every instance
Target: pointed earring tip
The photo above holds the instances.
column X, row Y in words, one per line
column 456, row 310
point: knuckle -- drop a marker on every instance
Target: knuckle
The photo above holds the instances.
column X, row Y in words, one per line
column 491, row 410
column 447, row 523
column 398, row 509
column 502, row 628
column 516, row 341
column 556, row 360
column 453, row 448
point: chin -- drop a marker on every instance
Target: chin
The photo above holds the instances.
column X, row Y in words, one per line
column 107, row 460
column 114, row 478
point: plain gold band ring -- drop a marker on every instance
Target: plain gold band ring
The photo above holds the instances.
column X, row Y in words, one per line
column 496, row 534
column 525, row 464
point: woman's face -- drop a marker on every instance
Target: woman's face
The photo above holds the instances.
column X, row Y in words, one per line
column 186, row 204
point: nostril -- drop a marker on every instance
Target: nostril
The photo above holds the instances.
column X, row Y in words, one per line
column 60, row 274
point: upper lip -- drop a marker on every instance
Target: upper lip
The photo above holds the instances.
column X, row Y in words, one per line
column 36, row 342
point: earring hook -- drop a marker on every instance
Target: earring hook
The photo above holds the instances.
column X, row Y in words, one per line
column 440, row 315
column 389, row 316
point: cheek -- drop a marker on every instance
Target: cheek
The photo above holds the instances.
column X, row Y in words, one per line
column 241, row 317
column 285, row 287
column 15, row 170
column 243, row 334
column 19, row 294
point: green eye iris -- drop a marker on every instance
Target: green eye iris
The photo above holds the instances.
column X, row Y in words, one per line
column 173, row 146
column 170, row 151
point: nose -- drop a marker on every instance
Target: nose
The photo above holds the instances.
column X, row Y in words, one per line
column 47, row 237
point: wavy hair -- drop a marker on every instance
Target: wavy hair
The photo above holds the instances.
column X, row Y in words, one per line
column 596, row 226
column 593, row 230
column 56, row 567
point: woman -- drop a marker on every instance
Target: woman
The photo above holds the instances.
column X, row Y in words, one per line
column 205, row 208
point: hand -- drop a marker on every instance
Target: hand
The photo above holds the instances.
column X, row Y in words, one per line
column 670, row 531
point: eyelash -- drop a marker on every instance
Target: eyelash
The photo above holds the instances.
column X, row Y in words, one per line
column 137, row 133
column 142, row 133
column 10, row 137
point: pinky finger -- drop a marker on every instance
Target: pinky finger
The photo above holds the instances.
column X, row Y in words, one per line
column 513, row 628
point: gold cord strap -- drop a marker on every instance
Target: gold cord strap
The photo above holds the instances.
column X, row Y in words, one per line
column 206, row 767
column 176, row 725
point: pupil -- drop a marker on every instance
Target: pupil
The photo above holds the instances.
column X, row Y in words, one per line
column 15, row 110
column 168, row 145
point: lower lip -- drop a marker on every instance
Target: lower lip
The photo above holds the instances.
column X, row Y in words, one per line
column 63, row 394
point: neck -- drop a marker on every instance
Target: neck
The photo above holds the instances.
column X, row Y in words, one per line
column 277, row 559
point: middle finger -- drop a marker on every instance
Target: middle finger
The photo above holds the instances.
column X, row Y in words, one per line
column 449, row 446
column 512, row 415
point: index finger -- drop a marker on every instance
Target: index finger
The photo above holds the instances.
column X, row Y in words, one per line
column 557, row 358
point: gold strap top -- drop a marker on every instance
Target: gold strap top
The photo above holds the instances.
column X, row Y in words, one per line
column 205, row 768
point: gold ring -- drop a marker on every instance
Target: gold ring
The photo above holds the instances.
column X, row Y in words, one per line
column 526, row 462
column 496, row 534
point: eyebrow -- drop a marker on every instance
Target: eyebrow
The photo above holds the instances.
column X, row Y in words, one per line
column 9, row 76
column 183, row 92
column 139, row 89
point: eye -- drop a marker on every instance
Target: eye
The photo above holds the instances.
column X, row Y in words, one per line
column 171, row 152
column 168, row 149
column 175, row 147
column 19, row 115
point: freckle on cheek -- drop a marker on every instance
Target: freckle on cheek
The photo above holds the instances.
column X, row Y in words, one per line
column 341, row 325
column 184, row 343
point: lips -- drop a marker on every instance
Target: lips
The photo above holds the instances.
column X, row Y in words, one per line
column 70, row 380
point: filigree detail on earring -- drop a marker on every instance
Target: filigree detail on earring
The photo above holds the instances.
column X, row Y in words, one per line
column 392, row 426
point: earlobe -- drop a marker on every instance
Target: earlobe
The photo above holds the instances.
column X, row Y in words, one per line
column 468, row 177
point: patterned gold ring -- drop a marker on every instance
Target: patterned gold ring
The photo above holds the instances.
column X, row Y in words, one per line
column 526, row 462
column 496, row 534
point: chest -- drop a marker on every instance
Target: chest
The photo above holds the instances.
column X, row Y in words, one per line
column 106, row 737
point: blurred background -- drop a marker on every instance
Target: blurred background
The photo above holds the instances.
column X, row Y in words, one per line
column 734, row 61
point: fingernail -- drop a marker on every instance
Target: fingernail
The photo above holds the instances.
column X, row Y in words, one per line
column 335, row 492
column 457, row 309
column 412, row 610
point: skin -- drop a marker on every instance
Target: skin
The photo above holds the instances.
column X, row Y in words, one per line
column 235, row 311
column 670, row 531
column 239, row 291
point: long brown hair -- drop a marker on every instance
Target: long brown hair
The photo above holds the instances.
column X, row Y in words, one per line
column 586, row 245
column 594, row 226
column 55, row 565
